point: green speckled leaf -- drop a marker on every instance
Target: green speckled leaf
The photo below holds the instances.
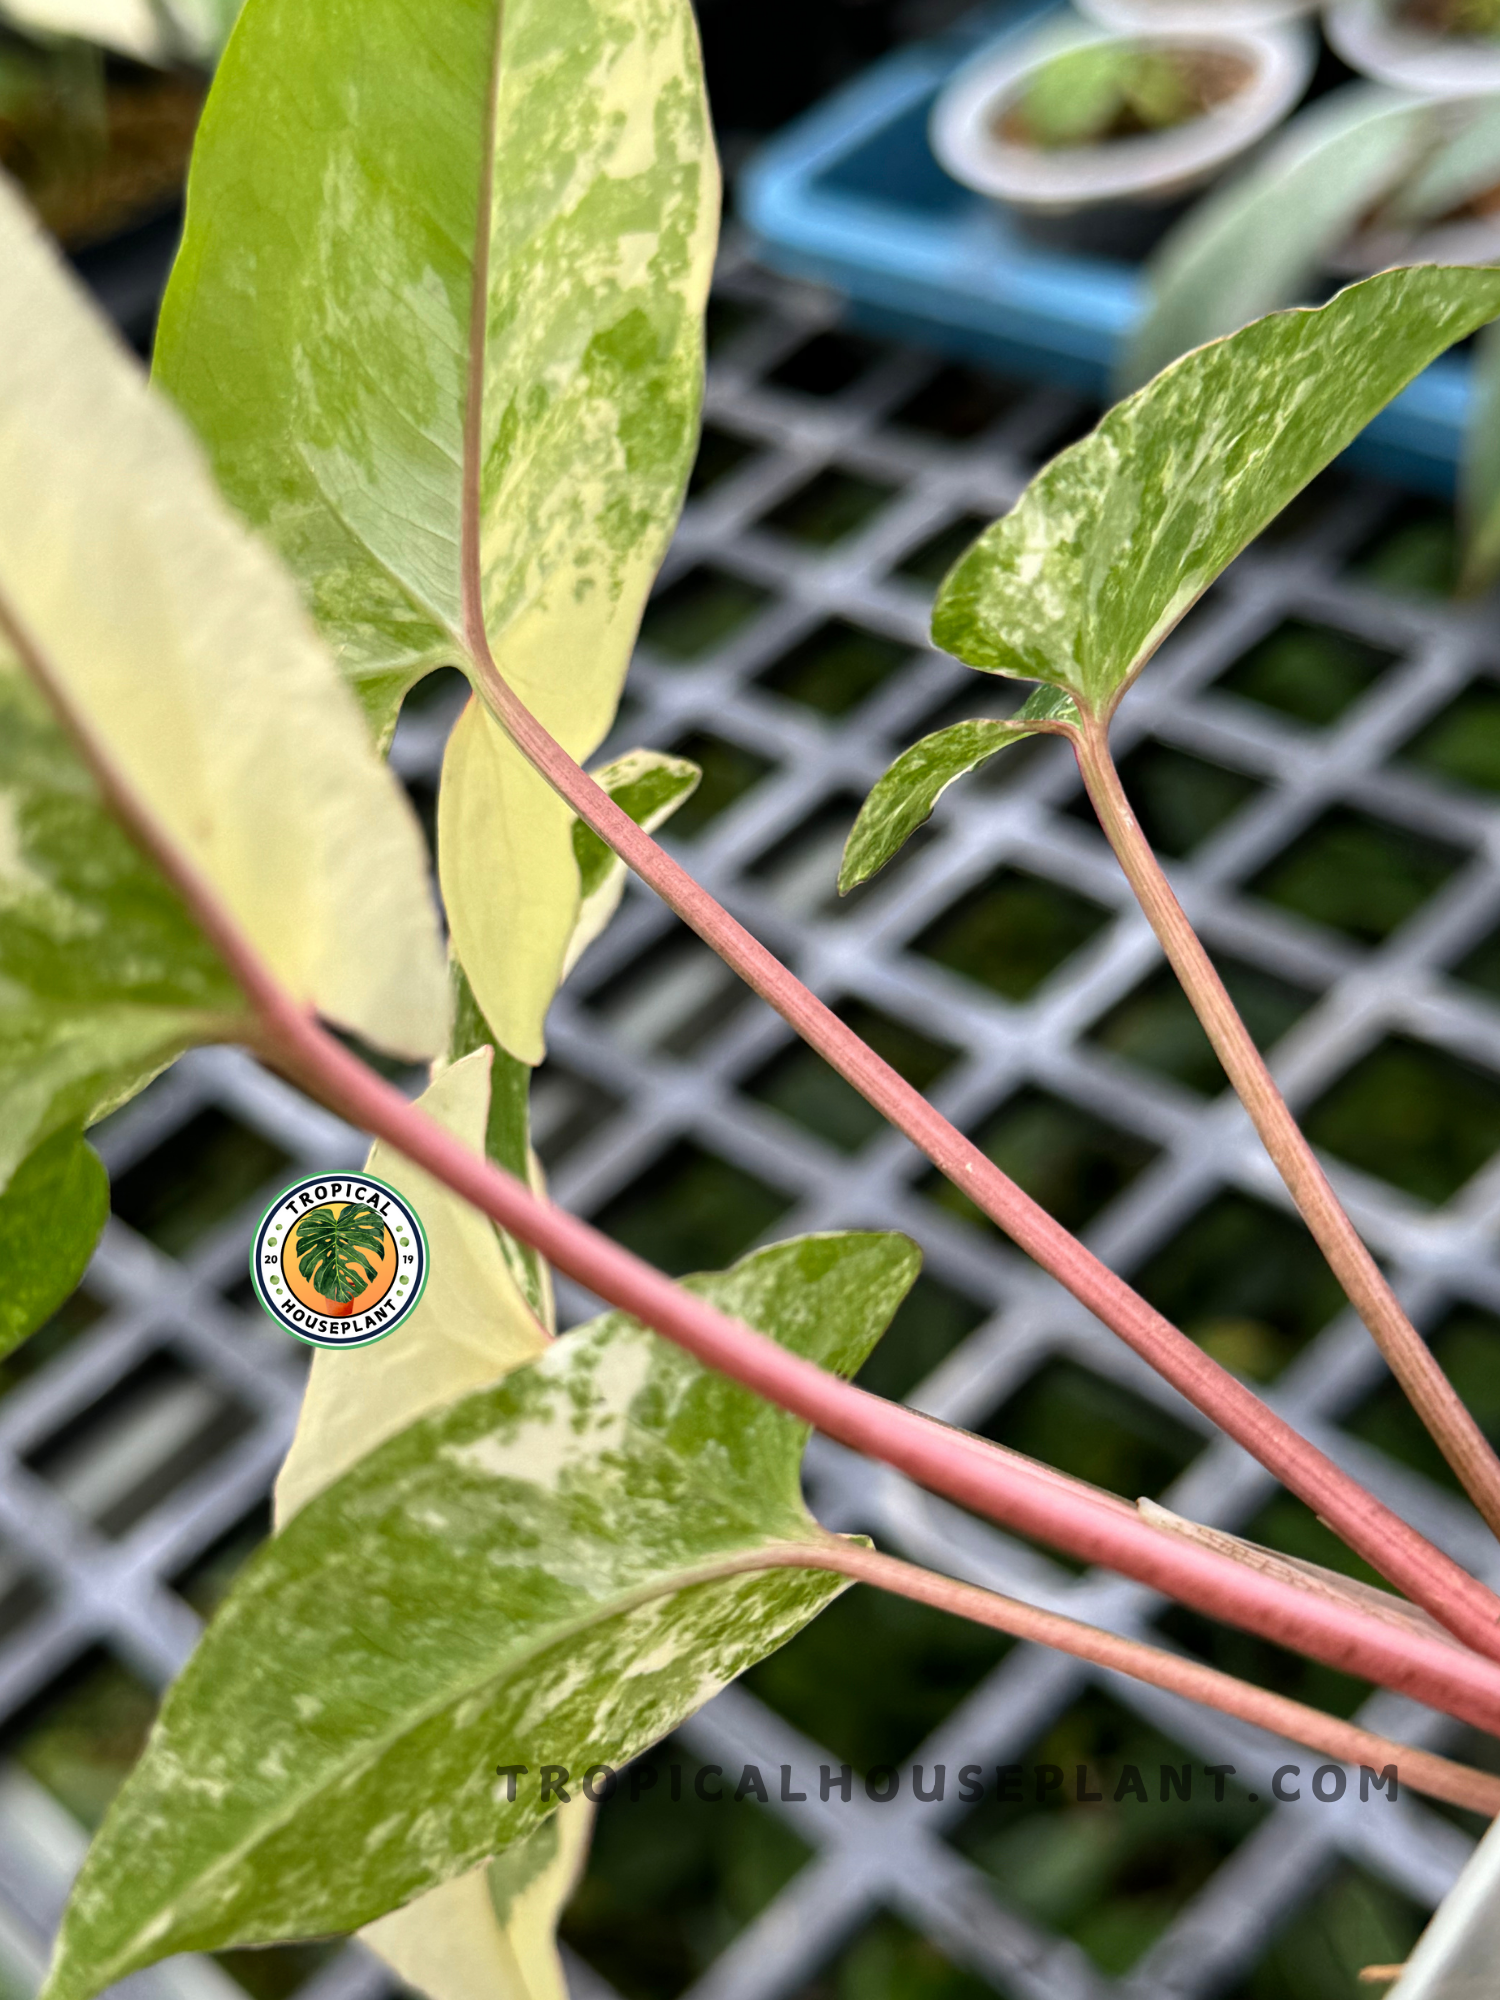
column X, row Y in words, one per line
column 104, row 978
column 649, row 786
column 558, row 1570
column 1124, row 531
column 397, row 213
column 507, row 1134
column 1260, row 240
column 1479, row 473
column 904, row 798
column 50, row 1219
column 178, row 643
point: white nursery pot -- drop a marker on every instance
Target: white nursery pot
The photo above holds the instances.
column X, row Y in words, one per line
column 1369, row 37
column 1127, row 15
column 1457, row 1954
column 1149, row 167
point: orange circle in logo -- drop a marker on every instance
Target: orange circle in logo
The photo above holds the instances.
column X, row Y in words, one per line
column 385, row 1267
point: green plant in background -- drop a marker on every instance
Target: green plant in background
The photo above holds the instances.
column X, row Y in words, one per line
column 1107, row 90
column 1360, row 178
column 332, row 1246
column 98, row 99
column 1456, row 17
column 147, row 31
column 440, row 339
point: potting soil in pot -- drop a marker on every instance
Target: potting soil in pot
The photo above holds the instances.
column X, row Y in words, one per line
column 94, row 161
column 1114, row 90
column 1453, row 17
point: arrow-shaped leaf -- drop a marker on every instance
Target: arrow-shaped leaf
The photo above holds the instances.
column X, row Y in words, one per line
column 904, row 798
column 105, row 977
column 50, row 1219
column 554, row 1570
column 1124, row 531
column 178, row 644
column 437, row 316
column 471, row 1328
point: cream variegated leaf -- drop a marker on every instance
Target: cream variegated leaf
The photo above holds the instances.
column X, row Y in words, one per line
column 104, row 978
column 178, row 643
column 471, row 1328
column 527, row 888
column 556, row 1569
column 438, row 317
column 1121, row 534
column 128, row 27
column 904, row 798
column 491, row 1934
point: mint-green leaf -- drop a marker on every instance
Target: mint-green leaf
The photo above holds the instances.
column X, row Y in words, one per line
column 50, row 1219
column 507, row 1138
column 1479, row 472
column 1260, row 240
column 649, row 786
column 104, row 978
column 177, row 643
column 906, row 795
column 1124, row 531
column 1463, row 162
column 558, row 1569
column 322, row 332
column 317, row 329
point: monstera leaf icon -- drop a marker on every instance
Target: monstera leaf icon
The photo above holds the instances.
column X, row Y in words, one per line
column 331, row 1246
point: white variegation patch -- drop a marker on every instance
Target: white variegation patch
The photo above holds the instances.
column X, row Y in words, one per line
column 617, row 1528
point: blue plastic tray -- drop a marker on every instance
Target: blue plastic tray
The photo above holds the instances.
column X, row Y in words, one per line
column 851, row 196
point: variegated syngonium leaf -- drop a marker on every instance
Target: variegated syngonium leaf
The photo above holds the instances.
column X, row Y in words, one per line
column 1262, row 238
column 558, row 1570
column 472, row 1327
column 104, row 978
column 129, row 27
column 649, row 786
column 51, row 1216
column 529, row 887
column 446, row 220
column 905, row 797
column 141, row 605
column 1124, row 531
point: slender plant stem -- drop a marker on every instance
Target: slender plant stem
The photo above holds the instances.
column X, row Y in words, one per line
column 1092, row 1526
column 1034, row 1500
column 1411, row 1361
column 1387, row 1542
column 1437, row 1777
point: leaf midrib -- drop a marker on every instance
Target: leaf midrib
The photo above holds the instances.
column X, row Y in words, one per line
column 746, row 1562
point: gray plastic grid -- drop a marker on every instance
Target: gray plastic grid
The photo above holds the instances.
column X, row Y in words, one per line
column 114, row 1483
